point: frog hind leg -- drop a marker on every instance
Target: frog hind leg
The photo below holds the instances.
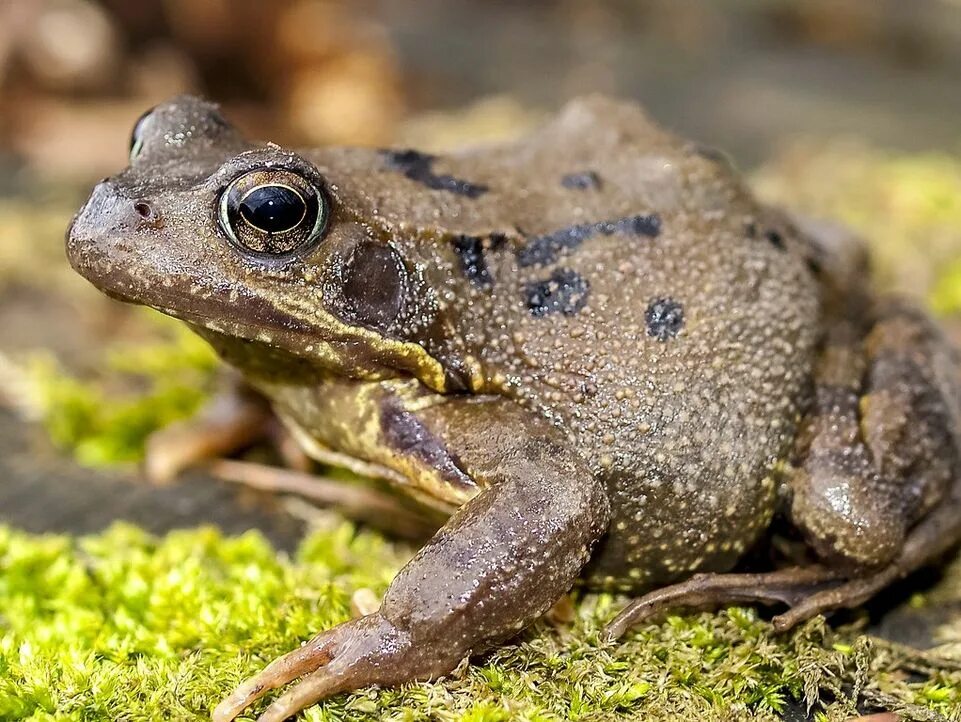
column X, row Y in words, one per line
column 877, row 491
column 807, row 591
column 879, row 450
column 502, row 560
column 703, row 591
column 934, row 536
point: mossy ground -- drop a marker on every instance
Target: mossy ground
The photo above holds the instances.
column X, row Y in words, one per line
column 123, row 625
column 127, row 626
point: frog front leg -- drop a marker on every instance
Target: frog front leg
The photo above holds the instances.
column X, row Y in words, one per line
column 502, row 560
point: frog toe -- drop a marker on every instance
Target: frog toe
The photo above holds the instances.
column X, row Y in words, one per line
column 365, row 651
column 791, row 586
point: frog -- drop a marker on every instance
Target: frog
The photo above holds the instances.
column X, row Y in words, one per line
column 592, row 347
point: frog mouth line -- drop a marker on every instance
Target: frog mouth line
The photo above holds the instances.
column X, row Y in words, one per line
column 209, row 311
column 220, row 315
column 221, row 318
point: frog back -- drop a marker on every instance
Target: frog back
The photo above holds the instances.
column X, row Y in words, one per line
column 623, row 283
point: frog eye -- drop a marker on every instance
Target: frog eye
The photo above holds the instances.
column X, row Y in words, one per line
column 272, row 212
column 136, row 135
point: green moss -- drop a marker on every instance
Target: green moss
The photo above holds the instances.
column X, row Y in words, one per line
column 126, row 625
column 106, row 419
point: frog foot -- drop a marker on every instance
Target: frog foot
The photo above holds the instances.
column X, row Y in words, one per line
column 356, row 501
column 228, row 423
column 808, row 590
column 365, row 651
column 795, row 587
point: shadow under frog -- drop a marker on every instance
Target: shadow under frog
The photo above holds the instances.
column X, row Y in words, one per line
column 592, row 346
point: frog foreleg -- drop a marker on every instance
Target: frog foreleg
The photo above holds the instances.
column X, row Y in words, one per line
column 501, row 561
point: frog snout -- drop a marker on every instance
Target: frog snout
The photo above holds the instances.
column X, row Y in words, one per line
column 104, row 232
column 108, row 218
column 109, row 209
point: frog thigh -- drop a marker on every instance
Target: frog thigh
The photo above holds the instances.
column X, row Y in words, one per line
column 503, row 559
column 878, row 489
column 879, row 448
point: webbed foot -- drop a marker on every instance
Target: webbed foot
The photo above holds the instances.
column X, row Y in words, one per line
column 807, row 591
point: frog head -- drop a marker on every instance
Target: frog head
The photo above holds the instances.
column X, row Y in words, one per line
column 249, row 244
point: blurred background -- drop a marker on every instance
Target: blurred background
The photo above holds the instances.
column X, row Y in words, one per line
column 841, row 108
column 741, row 74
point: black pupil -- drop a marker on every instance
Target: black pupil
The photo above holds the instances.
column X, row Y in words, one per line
column 273, row 209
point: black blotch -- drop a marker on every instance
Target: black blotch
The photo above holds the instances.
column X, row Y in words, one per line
column 374, row 282
column 775, row 239
column 470, row 251
column 545, row 249
column 405, row 433
column 565, row 291
column 418, row 167
column 665, row 318
column 585, row 180
column 751, row 229
column 497, row 241
column 814, row 265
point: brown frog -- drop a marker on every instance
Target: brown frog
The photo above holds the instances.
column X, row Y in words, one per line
column 592, row 346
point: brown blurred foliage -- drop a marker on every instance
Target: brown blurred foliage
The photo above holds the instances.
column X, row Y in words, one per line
column 75, row 74
column 304, row 71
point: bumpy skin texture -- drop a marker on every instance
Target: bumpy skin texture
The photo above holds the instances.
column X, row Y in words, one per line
column 592, row 342
column 880, row 446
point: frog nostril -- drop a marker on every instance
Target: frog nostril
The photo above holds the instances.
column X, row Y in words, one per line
column 149, row 215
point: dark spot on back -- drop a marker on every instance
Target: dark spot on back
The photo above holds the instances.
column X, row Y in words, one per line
column 774, row 238
column 565, row 291
column 406, row 158
column 814, row 265
column 547, row 248
column 470, row 251
column 497, row 241
column 418, row 167
column 585, row 180
column 665, row 318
